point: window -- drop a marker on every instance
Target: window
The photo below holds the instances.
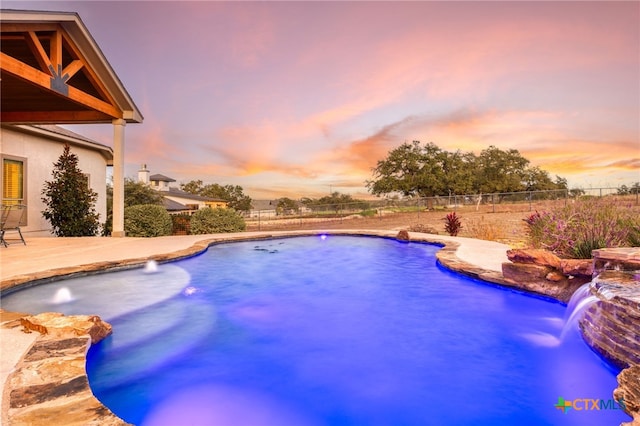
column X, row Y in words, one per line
column 13, row 181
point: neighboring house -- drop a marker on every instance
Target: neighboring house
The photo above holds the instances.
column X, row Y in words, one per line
column 28, row 152
column 262, row 209
column 175, row 200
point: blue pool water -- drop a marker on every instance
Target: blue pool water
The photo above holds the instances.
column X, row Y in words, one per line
column 329, row 331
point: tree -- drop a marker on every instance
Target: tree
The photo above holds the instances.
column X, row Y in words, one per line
column 135, row 194
column 561, row 183
column 70, row 202
column 623, row 190
column 536, row 179
column 501, row 171
column 413, row 169
column 232, row 194
column 576, row 192
column 138, row 193
column 286, row 205
column 336, row 201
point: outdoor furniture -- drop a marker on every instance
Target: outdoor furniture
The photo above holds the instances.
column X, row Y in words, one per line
column 12, row 217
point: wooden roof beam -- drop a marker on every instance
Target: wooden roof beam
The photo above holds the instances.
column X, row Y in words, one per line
column 38, row 51
column 89, row 72
column 71, row 69
column 25, row 72
column 55, row 51
column 53, row 117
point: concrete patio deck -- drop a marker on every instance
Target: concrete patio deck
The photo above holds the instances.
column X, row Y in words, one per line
column 44, row 259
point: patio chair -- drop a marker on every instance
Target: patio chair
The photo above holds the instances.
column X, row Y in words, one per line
column 11, row 219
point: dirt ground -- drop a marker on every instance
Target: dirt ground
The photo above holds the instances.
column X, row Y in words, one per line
column 504, row 226
column 495, row 222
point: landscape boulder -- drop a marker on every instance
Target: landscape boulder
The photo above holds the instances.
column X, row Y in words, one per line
column 628, row 390
column 542, row 272
column 57, row 324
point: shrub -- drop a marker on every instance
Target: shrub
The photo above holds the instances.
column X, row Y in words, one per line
column 213, row 221
column 577, row 229
column 425, row 229
column 147, row 220
column 181, row 224
column 368, row 213
column 484, row 230
column 536, row 224
column 70, row 202
column 634, row 233
column 452, row 224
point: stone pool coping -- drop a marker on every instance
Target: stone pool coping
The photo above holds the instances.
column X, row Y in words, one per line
column 476, row 258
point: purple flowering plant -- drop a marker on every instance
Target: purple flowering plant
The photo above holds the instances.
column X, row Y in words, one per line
column 576, row 229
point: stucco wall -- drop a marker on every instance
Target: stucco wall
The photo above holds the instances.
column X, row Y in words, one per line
column 41, row 154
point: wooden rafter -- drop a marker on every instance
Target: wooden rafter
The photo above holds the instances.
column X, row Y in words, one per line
column 38, row 51
column 71, row 69
column 25, row 72
column 89, row 72
column 55, row 54
column 53, row 76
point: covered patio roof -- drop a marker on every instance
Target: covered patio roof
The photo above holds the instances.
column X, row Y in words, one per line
column 53, row 72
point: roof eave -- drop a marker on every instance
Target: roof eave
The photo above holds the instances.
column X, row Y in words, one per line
column 104, row 150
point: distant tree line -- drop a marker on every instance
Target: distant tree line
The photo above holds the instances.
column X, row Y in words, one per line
column 335, row 201
column 625, row 190
column 414, row 169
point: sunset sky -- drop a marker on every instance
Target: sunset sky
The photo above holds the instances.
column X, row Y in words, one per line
column 297, row 98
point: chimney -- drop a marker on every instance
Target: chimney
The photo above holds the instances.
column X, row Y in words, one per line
column 143, row 175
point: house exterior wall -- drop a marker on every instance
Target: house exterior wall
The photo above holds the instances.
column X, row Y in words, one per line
column 40, row 154
column 160, row 185
column 216, row 204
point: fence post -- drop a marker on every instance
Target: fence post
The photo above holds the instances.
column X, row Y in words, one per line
column 530, row 206
column 259, row 211
column 493, row 202
column 418, row 204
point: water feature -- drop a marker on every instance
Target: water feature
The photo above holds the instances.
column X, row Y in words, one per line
column 63, row 295
column 340, row 330
column 576, row 314
column 151, row 267
column 581, row 293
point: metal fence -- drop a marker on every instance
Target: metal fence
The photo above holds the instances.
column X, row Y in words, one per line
column 525, row 201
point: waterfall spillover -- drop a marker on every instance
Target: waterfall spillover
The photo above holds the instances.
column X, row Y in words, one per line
column 580, row 301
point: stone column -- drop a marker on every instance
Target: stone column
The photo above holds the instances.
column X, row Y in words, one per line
column 118, row 178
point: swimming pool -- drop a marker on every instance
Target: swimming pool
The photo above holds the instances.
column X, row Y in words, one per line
column 335, row 330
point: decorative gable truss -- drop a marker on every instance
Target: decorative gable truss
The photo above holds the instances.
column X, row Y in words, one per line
column 46, row 79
